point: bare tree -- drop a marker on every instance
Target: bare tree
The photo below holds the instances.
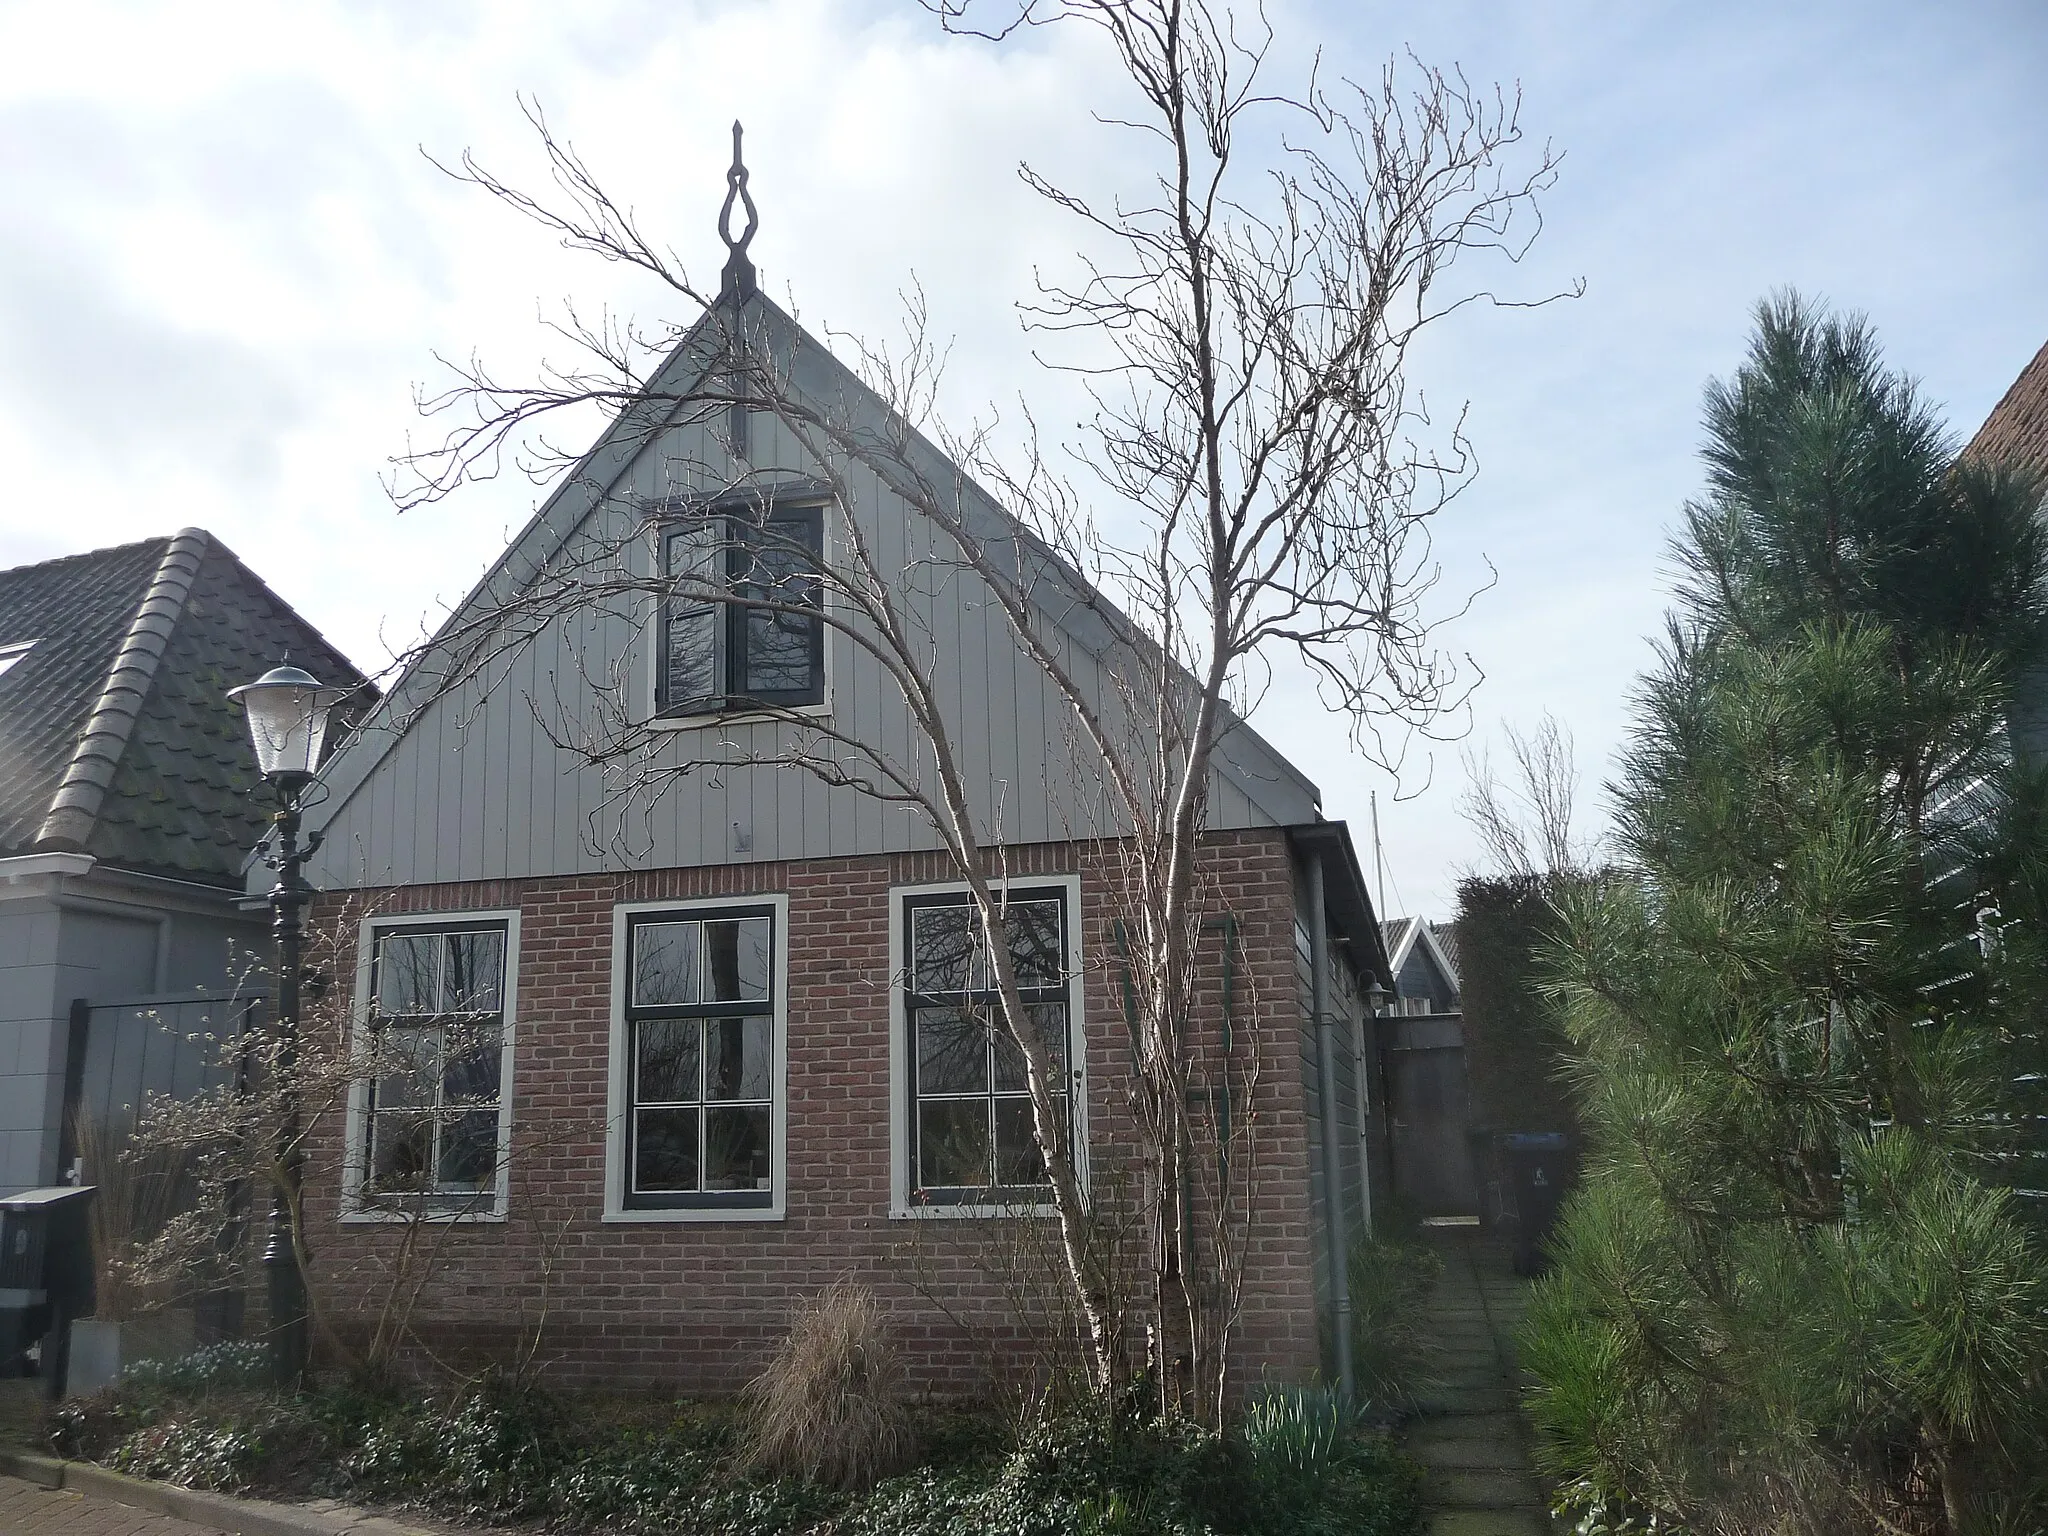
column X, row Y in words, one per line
column 1525, row 822
column 1255, row 490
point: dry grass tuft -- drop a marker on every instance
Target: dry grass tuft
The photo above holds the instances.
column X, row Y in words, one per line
column 830, row 1407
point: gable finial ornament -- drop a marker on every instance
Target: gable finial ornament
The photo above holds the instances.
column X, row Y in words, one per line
column 738, row 278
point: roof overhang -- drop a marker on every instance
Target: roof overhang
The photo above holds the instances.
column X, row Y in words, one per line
column 1344, row 894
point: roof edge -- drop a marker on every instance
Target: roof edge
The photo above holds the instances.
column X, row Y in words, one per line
column 1344, row 892
column 75, row 810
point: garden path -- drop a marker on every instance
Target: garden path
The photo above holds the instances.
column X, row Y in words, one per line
column 1470, row 1433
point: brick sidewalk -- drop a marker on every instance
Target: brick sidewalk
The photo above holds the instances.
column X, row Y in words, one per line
column 26, row 1510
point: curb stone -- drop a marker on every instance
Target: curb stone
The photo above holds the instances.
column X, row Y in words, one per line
column 223, row 1512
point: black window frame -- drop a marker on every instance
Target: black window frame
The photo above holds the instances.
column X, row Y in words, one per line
column 746, row 529
column 635, row 1014
column 439, row 1199
column 986, row 1002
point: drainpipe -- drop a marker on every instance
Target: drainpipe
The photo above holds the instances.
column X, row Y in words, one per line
column 1326, row 1092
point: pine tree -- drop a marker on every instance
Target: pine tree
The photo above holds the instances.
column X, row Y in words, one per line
column 1798, row 1291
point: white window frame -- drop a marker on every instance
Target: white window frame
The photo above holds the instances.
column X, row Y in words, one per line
column 618, row 1104
column 901, row 1206
column 354, row 1168
column 830, row 549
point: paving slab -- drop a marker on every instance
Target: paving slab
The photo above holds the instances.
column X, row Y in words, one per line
column 1469, row 1434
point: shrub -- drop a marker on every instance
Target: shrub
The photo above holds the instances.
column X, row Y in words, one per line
column 829, row 1407
column 1299, row 1430
column 1391, row 1276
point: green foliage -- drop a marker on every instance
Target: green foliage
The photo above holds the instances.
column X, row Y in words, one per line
column 1392, row 1349
column 1795, row 1292
column 233, row 1363
column 1515, row 1047
column 503, row 1451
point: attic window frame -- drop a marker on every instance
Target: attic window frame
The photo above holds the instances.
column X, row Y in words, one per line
column 14, row 650
column 740, row 516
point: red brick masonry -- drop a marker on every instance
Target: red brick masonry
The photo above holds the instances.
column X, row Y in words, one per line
column 699, row 1307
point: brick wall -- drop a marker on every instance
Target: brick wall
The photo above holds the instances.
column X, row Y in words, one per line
column 698, row 1307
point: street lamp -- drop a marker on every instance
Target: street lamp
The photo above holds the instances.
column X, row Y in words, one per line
column 287, row 710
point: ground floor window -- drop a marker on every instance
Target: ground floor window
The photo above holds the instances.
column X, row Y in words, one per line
column 700, row 1058
column 969, row 1132
column 433, row 1099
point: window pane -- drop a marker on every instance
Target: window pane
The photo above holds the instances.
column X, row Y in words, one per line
column 469, row 1150
column 408, row 1065
column 665, row 1150
column 952, row 1052
column 694, row 645
column 668, row 1061
column 406, row 978
column 1018, row 1160
column 782, row 569
column 952, row 1143
column 472, row 1076
column 736, row 951
column 1035, row 943
column 475, row 973
column 694, row 661
column 736, row 1149
column 944, row 942
column 736, row 1058
column 1050, row 1022
column 401, row 1150
column 666, row 963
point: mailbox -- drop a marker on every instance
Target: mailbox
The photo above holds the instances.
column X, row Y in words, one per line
column 46, row 1274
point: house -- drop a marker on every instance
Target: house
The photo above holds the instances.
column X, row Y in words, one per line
column 129, row 801
column 722, row 997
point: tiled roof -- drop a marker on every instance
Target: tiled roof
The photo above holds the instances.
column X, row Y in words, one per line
column 117, row 738
column 2016, row 431
column 1446, row 936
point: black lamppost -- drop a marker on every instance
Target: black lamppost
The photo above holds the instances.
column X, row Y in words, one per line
column 287, row 710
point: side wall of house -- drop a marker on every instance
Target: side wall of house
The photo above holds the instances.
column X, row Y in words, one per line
column 698, row 1307
column 1346, row 1117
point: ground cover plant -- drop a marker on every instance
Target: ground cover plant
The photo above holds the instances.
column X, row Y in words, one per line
column 507, row 1451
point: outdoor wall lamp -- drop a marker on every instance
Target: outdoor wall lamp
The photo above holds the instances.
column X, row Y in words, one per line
column 287, row 710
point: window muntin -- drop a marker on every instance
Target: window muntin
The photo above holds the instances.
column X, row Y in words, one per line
column 700, row 1046
column 971, row 1137
column 435, row 1103
column 718, row 656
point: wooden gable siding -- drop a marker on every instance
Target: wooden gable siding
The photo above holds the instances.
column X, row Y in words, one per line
column 472, row 789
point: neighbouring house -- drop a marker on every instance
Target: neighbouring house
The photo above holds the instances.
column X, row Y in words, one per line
column 1422, row 1067
column 129, row 803
column 728, row 1062
column 2016, row 433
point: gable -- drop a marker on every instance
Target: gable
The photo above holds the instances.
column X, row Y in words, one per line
column 464, row 783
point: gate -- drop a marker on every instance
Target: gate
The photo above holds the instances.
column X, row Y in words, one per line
column 1429, row 1110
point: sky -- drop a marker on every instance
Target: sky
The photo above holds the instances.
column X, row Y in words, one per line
column 226, row 262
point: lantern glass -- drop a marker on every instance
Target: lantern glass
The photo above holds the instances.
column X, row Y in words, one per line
column 287, row 711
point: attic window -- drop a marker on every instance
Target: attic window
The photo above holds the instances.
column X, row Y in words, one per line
column 739, row 630
column 13, row 652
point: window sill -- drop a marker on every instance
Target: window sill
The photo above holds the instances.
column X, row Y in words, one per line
column 630, row 1216
column 739, row 717
column 369, row 1216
